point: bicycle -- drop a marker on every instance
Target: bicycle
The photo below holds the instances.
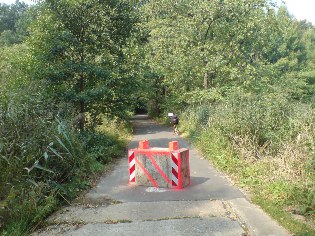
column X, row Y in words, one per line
column 175, row 129
column 174, row 120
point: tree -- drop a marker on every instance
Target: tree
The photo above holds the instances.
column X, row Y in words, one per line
column 307, row 34
column 13, row 23
column 203, row 48
column 78, row 51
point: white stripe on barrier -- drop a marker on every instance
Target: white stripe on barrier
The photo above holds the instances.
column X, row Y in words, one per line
column 174, row 170
column 132, row 166
column 133, row 162
column 132, row 175
column 174, row 166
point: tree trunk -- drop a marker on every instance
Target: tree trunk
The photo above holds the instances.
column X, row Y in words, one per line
column 82, row 106
column 212, row 79
column 81, row 80
column 205, row 81
column 208, row 80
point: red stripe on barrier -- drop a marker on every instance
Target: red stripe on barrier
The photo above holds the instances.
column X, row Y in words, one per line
column 131, row 157
column 175, row 173
column 132, row 169
column 147, row 174
column 152, row 151
column 180, row 184
column 159, row 169
column 173, row 183
column 174, row 159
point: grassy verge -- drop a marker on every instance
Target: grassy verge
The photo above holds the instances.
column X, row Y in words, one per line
column 281, row 181
column 60, row 173
column 251, row 177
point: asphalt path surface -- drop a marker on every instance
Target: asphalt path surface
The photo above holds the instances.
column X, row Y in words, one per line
column 210, row 205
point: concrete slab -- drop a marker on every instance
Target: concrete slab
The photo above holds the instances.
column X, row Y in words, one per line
column 183, row 227
column 257, row 221
column 163, row 161
column 134, row 211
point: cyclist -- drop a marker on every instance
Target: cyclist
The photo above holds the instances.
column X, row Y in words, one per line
column 175, row 120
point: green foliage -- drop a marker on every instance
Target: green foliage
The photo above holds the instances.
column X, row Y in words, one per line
column 44, row 161
column 189, row 39
column 200, row 49
column 36, row 153
column 10, row 15
column 105, row 142
column 264, row 118
column 242, row 71
column 14, row 22
column 77, row 47
column 266, row 142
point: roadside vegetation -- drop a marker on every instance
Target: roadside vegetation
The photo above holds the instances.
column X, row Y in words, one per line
column 240, row 74
column 62, row 110
column 270, row 154
column 45, row 160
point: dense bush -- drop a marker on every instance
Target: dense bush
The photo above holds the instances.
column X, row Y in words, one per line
column 44, row 160
column 265, row 141
column 39, row 154
column 107, row 140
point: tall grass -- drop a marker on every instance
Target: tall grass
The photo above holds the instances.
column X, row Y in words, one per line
column 266, row 142
column 44, row 162
column 40, row 156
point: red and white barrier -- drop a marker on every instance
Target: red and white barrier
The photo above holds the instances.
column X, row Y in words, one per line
column 174, row 170
column 132, row 166
column 159, row 167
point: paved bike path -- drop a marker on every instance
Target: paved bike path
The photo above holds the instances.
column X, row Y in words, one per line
column 211, row 205
column 206, row 182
